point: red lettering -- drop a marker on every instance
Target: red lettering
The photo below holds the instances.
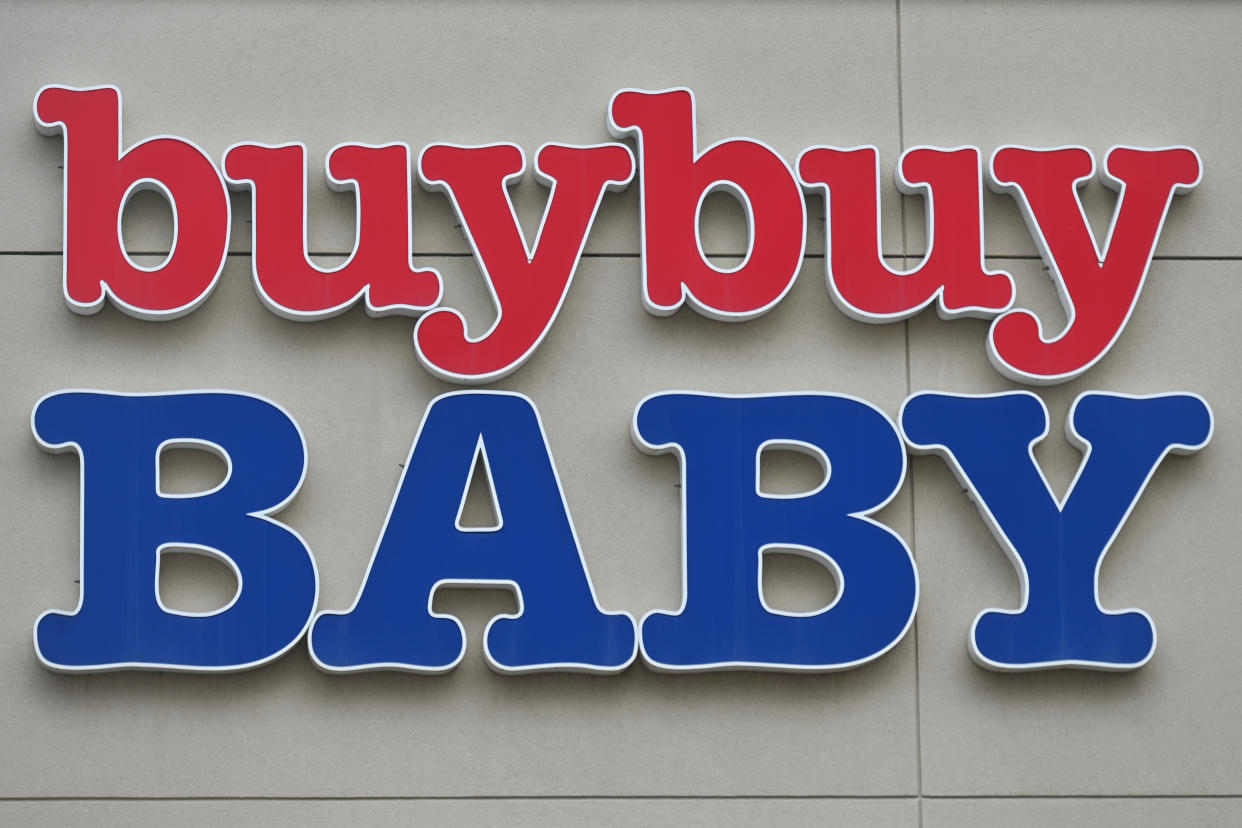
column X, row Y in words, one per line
column 952, row 272
column 379, row 268
column 1099, row 289
column 675, row 180
column 527, row 284
column 99, row 180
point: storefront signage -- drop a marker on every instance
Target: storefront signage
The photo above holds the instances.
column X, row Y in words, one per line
column 728, row 521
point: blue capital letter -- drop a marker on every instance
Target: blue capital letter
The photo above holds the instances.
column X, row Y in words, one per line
column 559, row 624
column 723, row 623
column 1057, row 547
column 126, row 521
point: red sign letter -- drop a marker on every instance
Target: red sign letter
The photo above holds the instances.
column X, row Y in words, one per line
column 379, row 267
column 676, row 179
column 99, row 179
column 528, row 285
column 861, row 283
column 1099, row 289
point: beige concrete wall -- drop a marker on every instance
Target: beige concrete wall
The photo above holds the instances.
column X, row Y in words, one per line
column 922, row 736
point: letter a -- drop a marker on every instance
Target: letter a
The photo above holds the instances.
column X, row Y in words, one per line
column 534, row 551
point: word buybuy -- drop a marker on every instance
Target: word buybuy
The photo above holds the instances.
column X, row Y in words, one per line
column 529, row 283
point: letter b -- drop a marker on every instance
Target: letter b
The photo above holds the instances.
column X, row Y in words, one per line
column 126, row 522
column 723, row 623
column 99, row 179
column 676, row 178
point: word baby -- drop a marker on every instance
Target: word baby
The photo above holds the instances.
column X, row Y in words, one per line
column 728, row 524
column 1099, row 286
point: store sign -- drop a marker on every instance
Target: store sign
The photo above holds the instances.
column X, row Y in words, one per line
column 728, row 521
